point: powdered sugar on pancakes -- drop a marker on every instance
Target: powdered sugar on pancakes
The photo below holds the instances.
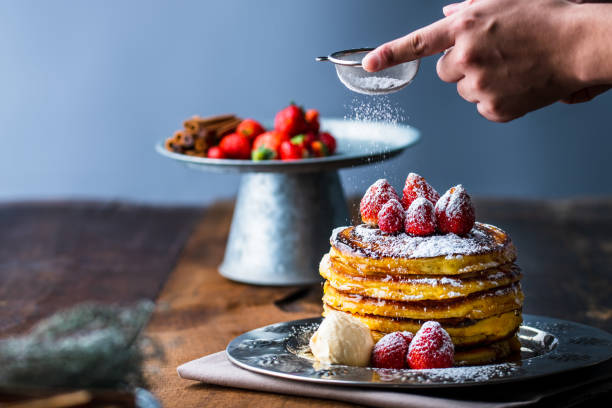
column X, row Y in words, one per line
column 367, row 241
column 453, row 203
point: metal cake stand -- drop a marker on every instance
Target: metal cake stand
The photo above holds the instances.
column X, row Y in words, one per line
column 286, row 210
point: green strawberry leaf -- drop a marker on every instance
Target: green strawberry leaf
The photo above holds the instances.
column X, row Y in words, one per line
column 263, row 153
column 298, row 139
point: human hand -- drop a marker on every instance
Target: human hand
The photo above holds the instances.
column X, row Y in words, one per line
column 582, row 95
column 509, row 57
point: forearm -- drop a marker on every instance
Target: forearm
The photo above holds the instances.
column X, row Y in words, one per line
column 593, row 23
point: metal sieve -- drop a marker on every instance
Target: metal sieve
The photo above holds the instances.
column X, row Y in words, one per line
column 355, row 78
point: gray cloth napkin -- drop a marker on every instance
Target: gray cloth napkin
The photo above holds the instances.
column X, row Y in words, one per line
column 217, row 369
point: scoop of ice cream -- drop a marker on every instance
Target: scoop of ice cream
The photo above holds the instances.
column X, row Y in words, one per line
column 342, row 339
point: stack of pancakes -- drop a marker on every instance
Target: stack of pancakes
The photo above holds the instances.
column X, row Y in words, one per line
column 469, row 284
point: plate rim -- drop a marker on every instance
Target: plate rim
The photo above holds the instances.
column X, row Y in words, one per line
column 299, row 166
column 503, row 380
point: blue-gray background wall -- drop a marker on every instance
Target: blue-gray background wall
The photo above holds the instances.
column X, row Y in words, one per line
column 87, row 88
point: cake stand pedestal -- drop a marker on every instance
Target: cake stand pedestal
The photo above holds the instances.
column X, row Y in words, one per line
column 285, row 211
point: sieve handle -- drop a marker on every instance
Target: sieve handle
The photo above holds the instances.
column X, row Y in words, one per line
column 322, row 59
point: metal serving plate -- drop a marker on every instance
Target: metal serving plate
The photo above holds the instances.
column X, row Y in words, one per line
column 548, row 346
column 359, row 142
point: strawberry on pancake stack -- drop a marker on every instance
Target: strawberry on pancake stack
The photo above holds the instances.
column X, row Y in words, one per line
column 423, row 257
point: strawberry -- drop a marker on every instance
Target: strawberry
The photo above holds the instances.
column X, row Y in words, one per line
column 408, row 336
column 420, row 218
column 455, row 212
column 263, row 153
column 290, row 120
column 250, row 129
column 329, row 141
column 373, row 200
column 319, row 149
column 215, row 152
column 416, row 186
column 312, row 120
column 235, row 146
column 391, row 217
column 304, row 140
column 431, row 347
column 310, row 137
column 291, row 151
column 390, row 351
column 271, row 140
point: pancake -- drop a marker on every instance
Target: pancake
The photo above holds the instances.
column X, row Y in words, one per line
column 474, row 306
column 463, row 332
column 490, row 353
column 369, row 250
column 415, row 287
column 469, row 284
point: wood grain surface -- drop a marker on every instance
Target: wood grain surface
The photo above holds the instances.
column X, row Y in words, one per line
column 55, row 255
column 199, row 312
column 565, row 250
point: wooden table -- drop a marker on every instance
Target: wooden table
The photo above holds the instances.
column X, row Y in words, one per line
column 565, row 250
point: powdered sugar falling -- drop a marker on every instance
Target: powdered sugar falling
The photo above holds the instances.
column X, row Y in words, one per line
column 379, row 109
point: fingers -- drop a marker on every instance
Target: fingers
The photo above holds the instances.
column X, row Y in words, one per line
column 488, row 113
column 448, row 68
column 428, row 40
column 586, row 94
column 455, row 7
column 467, row 91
